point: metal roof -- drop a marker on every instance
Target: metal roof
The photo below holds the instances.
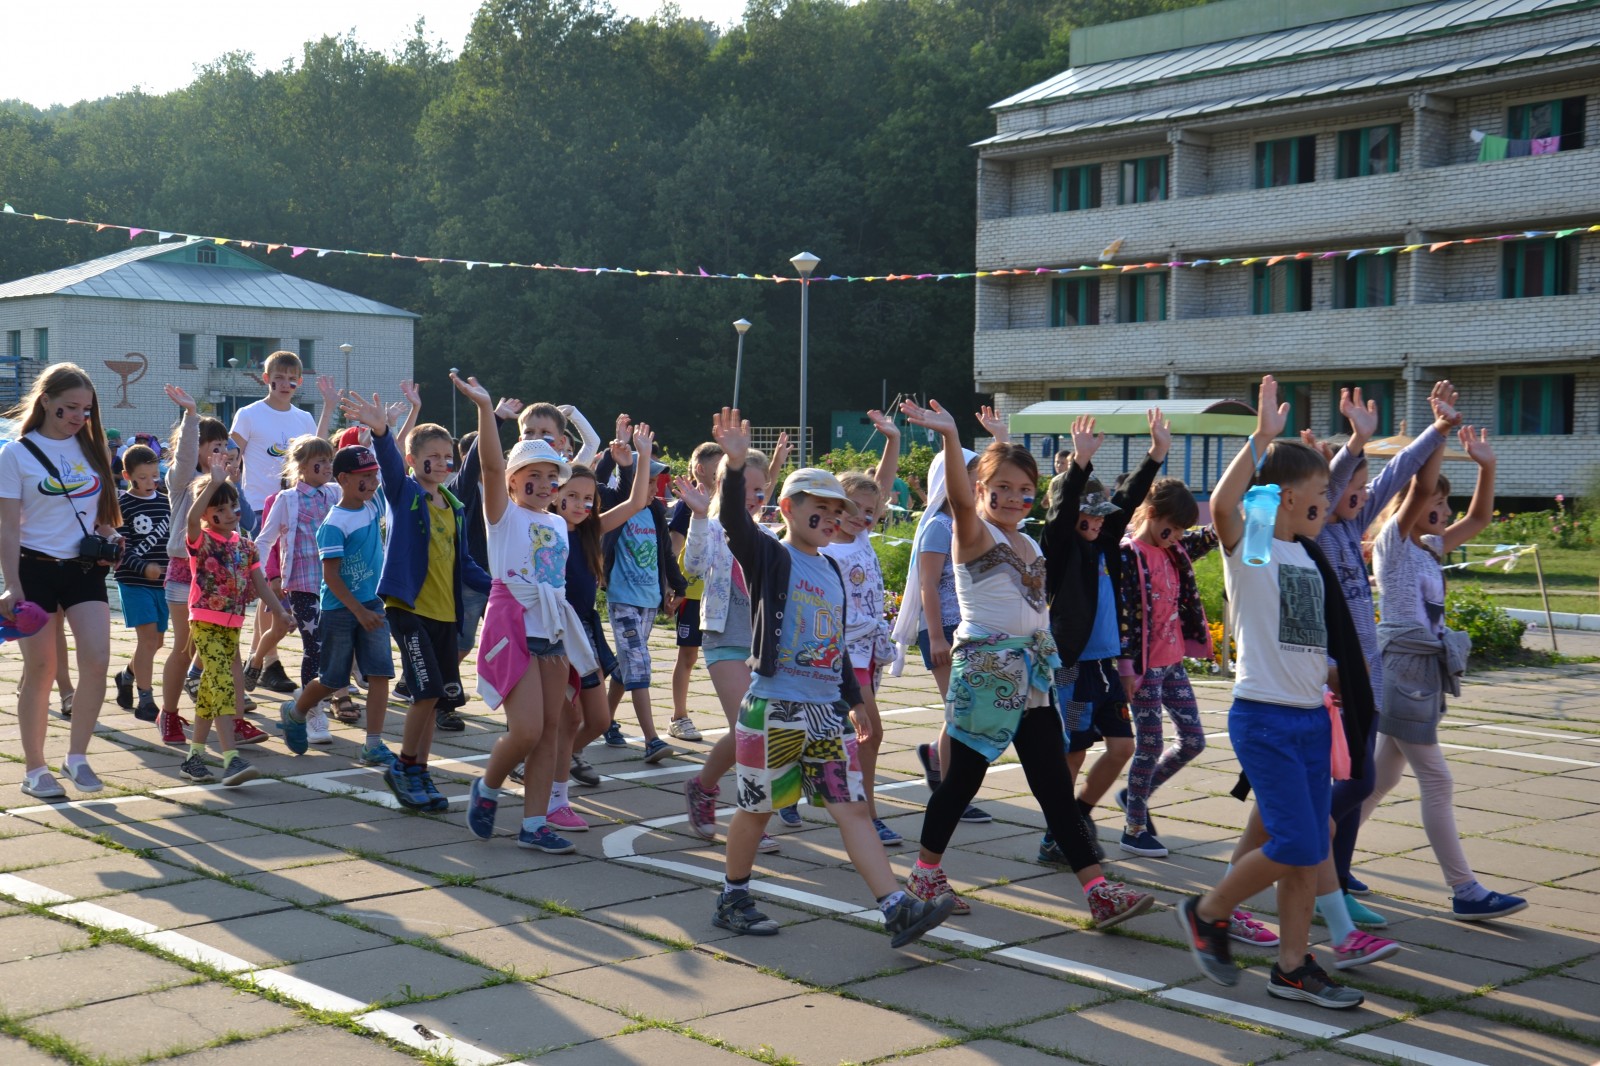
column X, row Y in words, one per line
column 149, row 272
column 1293, row 43
column 1128, row 417
column 1407, row 76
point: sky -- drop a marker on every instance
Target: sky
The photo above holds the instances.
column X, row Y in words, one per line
column 63, row 52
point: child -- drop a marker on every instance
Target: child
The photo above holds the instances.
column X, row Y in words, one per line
column 141, row 575
column 1423, row 661
column 263, row 429
column 1290, row 617
column 793, row 731
column 350, row 622
column 1001, row 670
column 225, row 568
column 703, row 464
column 1166, row 621
column 424, row 567
column 467, row 486
column 554, row 424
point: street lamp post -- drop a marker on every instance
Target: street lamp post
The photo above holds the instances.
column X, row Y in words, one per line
column 805, row 263
column 347, row 348
column 742, row 326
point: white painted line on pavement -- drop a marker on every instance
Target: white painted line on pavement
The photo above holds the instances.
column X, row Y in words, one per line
column 1574, row 737
column 1276, row 1019
column 1406, row 1052
column 403, row 1029
column 28, row 892
column 116, row 801
column 1084, row 970
column 1520, row 754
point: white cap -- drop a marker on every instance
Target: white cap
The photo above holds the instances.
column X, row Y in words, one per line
column 531, row 452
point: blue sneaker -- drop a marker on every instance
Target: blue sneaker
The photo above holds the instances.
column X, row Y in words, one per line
column 886, row 836
column 613, row 737
column 790, row 816
column 1122, row 805
column 1494, row 905
column 545, row 840
column 1145, row 844
column 294, row 732
column 656, row 750
column 480, row 811
column 1357, row 888
column 1050, row 852
column 377, row 755
column 406, row 784
column 437, row 801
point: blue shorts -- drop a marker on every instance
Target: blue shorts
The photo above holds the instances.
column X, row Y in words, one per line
column 1284, row 752
column 143, row 606
column 342, row 639
column 927, row 650
column 727, row 654
column 473, row 604
column 1092, row 704
column 602, row 651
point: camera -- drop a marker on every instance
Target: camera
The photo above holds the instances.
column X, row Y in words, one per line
column 97, row 549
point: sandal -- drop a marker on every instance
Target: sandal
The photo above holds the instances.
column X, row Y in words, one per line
column 345, row 709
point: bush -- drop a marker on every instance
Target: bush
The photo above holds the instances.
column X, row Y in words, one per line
column 1496, row 636
column 895, row 558
column 1565, row 527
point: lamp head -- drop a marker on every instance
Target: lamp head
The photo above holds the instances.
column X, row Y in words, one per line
column 805, row 263
column 742, row 325
column 347, row 348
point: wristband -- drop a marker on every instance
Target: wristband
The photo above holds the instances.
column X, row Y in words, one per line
column 1254, row 455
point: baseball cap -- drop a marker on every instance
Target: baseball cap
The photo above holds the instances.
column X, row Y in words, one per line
column 813, row 481
column 113, row 434
column 348, row 437
column 530, row 452
column 354, row 459
column 1094, row 502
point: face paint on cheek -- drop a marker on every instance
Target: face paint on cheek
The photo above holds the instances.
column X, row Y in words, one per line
column 1313, row 512
column 1354, row 500
column 994, row 501
column 814, row 521
column 1083, row 527
column 1433, row 518
column 1166, row 534
column 60, row 414
column 1027, row 501
column 529, row 488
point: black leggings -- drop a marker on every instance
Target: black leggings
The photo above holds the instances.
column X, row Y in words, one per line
column 1043, row 752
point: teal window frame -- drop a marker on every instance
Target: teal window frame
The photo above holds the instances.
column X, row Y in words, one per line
column 1297, row 167
column 1355, row 153
column 14, row 344
column 1134, row 297
column 1536, row 405
column 1297, row 394
column 1557, row 270
column 1134, row 179
column 1296, row 287
column 307, row 353
column 41, row 341
column 1068, row 393
column 1074, row 302
column 250, row 351
column 1076, row 188
column 1564, row 118
column 1135, row 393
column 1379, row 389
column 186, row 349
column 1356, row 278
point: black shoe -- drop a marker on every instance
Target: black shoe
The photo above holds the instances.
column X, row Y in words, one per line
column 146, row 711
column 448, row 721
column 401, row 693
column 930, row 773
column 913, row 917
column 517, row 773
column 252, row 677
column 1208, row 943
column 276, row 680
column 583, row 773
column 1312, row 984
column 738, row 912
column 124, row 680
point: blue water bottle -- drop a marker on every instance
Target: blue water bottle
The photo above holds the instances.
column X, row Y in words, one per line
column 1260, row 517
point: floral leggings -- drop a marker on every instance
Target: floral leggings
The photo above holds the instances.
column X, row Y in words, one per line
column 1150, row 769
column 307, row 610
column 217, row 645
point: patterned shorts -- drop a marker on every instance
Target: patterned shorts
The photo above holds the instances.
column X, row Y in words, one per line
column 784, row 749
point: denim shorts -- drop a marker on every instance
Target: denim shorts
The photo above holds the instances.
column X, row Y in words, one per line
column 727, row 653
column 473, row 604
column 142, row 606
column 541, row 648
column 927, row 651
column 342, row 640
column 631, row 626
column 1093, row 704
column 602, row 651
column 1284, row 752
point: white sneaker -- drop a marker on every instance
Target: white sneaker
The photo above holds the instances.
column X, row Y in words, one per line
column 317, row 731
column 683, row 729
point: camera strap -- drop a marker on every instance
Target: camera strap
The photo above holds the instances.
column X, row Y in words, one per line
column 50, row 468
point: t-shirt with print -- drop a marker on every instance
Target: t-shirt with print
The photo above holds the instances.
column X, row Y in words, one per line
column 220, row 589
column 635, row 577
column 353, row 536
column 678, row 522
column 267, row 433
column 936, row 535
column 437, row 597
column 48, row 505
column 810, row 647
column 1410, row 578
column 737, row 631
column 529, row 547
column 1163, row 637
column 863, row 584
column 1277, row 616
column 1104, row 640
column 146, row 521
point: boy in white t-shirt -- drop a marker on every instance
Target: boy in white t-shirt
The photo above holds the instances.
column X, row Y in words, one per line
column 263, row 429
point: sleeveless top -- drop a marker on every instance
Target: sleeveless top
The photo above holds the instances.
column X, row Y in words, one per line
column 1000, row 592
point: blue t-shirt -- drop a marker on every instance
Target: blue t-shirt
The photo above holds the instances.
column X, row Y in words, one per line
column 635, row 577
column 582, row 586
column 355, row 538
column 1104, row 640
column 936, row 535
column 811, row 646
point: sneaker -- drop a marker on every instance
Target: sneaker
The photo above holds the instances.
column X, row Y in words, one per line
column 238, row 772
column 682, row 729
column 1111, row 902
column 252, row 677
column 929, row 885
column 146, row 709
column 927, row 755
column 613, row 736
column 1122, row 805
column 1050, row 852
column 294, row 730
column 1244, row 928
column 1143, row 843
column 276, row 680
column 480, row 811
column 1356, row 888
column 247, row 704
column 656, row 750
column 912, row 918
column 1208, row 943
column 317, row 731
column 545, row 840
column 174, row 729
column 702, row 805
column 583, row 773
column 976, row 815
column 1494, row 905
column 767, row 845
column 448, row 721
column 518, row 773
column 377, row 755
column 44, row 787
column 124, row 682
column 567, row 820
column 1363, row 915
column 191, row 685
column 66, row 706
column 400, row 693
column 1361, row 948
column 738, row 912
column 790, row 816
column 406, row 784
column 437, row 801
column 83, row 779
column 245, row 732
column 886, row 836
column 1312, row 984
column 195, row 769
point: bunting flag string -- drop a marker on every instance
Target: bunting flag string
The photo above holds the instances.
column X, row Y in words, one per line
column 1505, row 556
column 297, row 250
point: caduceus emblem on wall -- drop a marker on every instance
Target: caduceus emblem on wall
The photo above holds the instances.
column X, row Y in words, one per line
column 129, row 368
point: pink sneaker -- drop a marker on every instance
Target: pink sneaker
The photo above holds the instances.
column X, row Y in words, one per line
column 565, row 818
column 1246, row 930
column 1361, row 948
column 702, row 805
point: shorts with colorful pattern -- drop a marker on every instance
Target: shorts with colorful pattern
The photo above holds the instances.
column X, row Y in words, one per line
column 784, row 749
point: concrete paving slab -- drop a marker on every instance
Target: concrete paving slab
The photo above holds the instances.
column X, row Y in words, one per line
column 1527, row 804
column 247, row 855
column 396, row 973
column 93, row 815
column 676, row 986
column 827, row 952
column 686, row 916
column 553, row 945
column 981, row 1053
column 1505, row 858
column 584, row 887
column 1587, row 970
column 41, row 849
column 1482, row 1040
column 159, row 833
column 396, row 835
column 112, row 873
column 221, row 800
column 1505, row 941
column 1153, row 962
column 469, row 857
column 647, row 1047
column 341, row 882
column 1560, row 1000
column 1431, row 972
column 975, row 994
column 518, row 1020
column 292, row 935
column 194, row 903
column 1127, row 1031
column 14, row 1051
column 78, row 978
column 161, row 1023
column 818, row 1029
column 26, row 936
column 437, row 912
column 307, row 1044
column 319, row 813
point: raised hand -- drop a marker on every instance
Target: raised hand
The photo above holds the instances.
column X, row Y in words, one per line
column 1321, row 447
column 395, row 410
column 733, row 433
column 508, row 408
column 328, row 388
column 694, row 497
column 621, row 453
column 1476, row 445
column 181, row 398
column 644, row 442
column 1160, row 434
column 470, row 389
column 1271, row 416
column 780, row 454
column 884, row 424
column 1361, row 414
column 623, row 422
column 371, row 414
column 995, row 424
column 933, row 417
column 408, row 389
column 1443, row 400
column 1085, row 441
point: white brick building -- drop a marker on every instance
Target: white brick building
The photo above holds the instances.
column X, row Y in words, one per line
column 179, row 313
column 1258, row 127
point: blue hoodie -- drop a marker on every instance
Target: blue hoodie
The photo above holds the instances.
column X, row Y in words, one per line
column 405, row 563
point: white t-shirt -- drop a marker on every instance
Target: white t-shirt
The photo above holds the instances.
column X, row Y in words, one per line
column 267, row 434
column 1277, row 618
column 529, row 547
column 47, row 504
column 863, row 587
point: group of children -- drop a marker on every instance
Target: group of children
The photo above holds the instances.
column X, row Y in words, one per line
column 1045, row 647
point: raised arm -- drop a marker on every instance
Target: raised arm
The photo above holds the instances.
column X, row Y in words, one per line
column 971, row 536
column 408, row 389
column 180, row 472
column 491, row 455
column 591, row 440
column 995, row 424
column 639, row 492
column 391, row 467
column 1066, row 489
column 1481, row 511
column 780, row 459
column 1228, row 495
column 1427, row 478
column 330, row 403
column 208, row 488
column 1399, row 471
column 889, row 465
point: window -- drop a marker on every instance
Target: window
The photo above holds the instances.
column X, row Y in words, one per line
column 1141, row 392
column 1538, row 268
column 1297, row 394
column 14, row 344
column 1371, row 150
column 1549, row 118
column 1075, row 302
column 186, row 349
column 1142, row 181
column 1281, row 288
column 1142, row 298
column 1536, row 404
column 205, row 255
column 308, row 350
column 1077, row 188
column 41, row 340
column 1380, row 389
column 1366, row 281
column 247, row 351
column 1069, row 393
column 1290, row 161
